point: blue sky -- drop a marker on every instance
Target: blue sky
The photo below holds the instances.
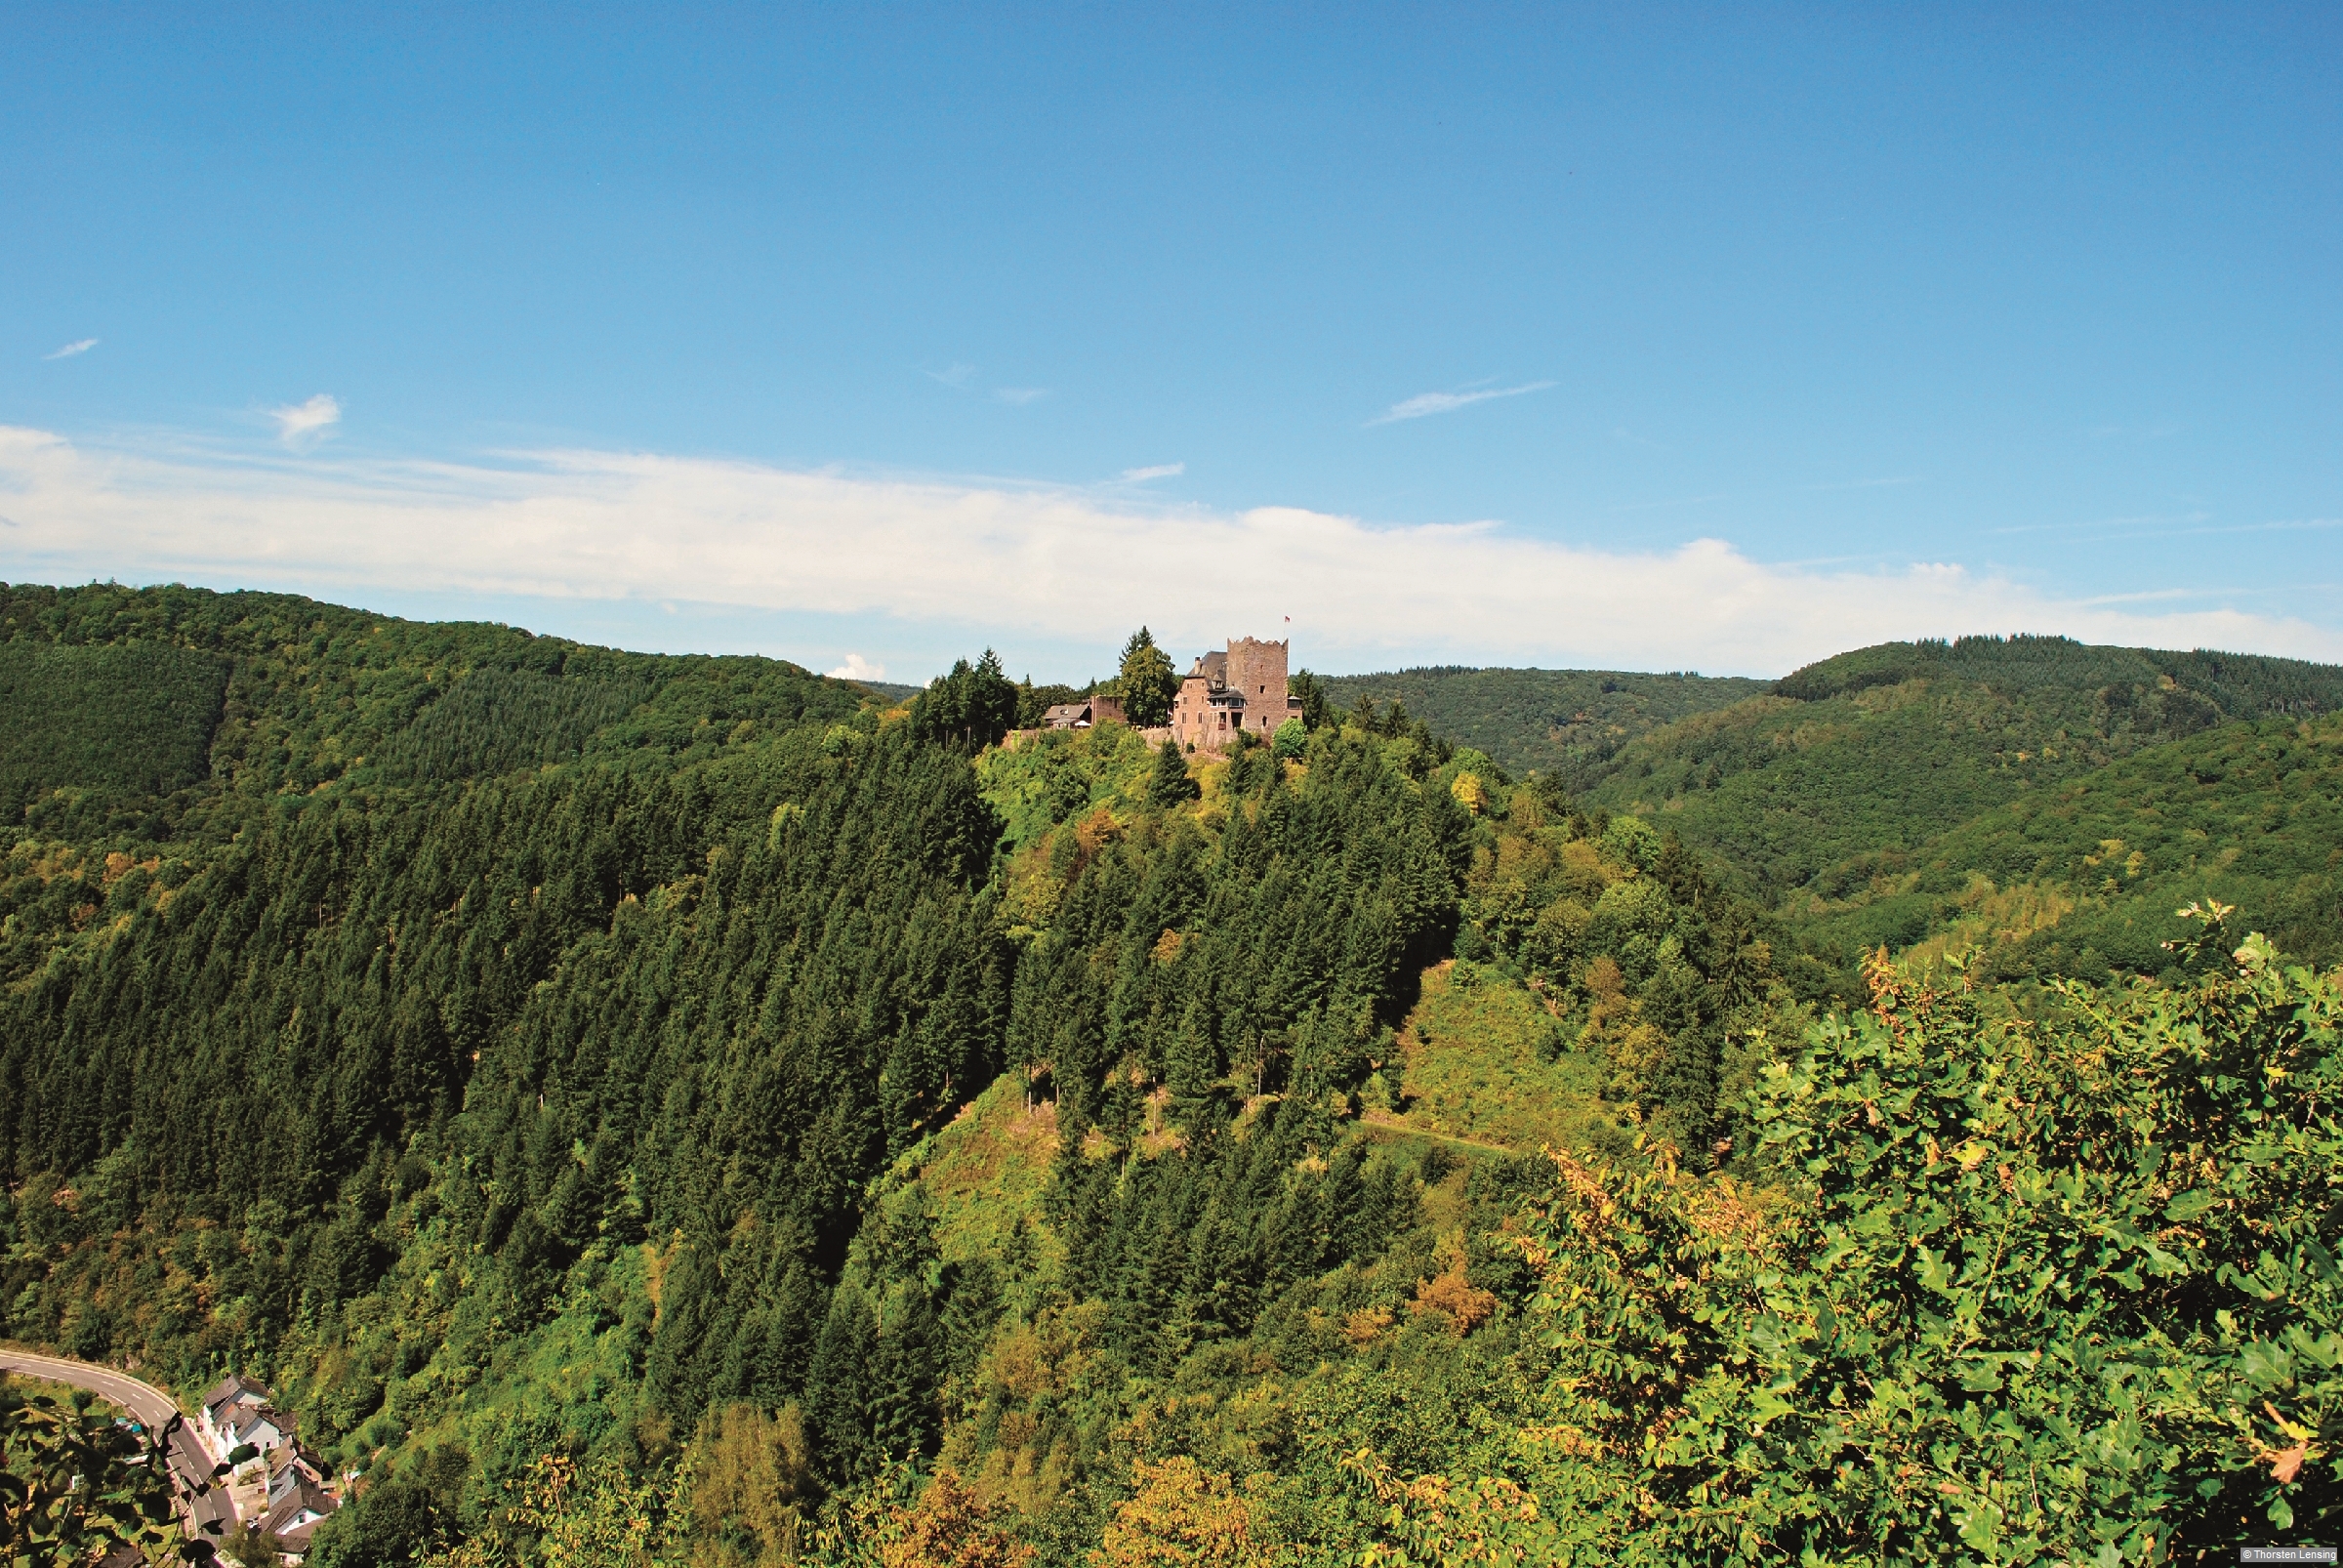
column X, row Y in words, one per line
column 1708, row 338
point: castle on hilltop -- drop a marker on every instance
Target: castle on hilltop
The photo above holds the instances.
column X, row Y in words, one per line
column 1241, row 690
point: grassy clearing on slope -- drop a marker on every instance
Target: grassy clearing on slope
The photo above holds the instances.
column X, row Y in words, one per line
column 1484, row 1065
column 986, row 1172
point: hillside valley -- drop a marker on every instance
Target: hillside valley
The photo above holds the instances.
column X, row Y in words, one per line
column 2047, row 801
column 658, row 1109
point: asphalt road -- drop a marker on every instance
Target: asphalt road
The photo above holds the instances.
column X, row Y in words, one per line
column 189, row 1463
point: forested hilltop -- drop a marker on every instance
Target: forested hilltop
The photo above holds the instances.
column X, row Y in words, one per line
column 171, row 713
column 1562, row 724
column 763, row 1125
column 2048, row 801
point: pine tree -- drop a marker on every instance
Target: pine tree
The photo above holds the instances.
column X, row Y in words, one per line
column 1171, row 784
column 1316, row 709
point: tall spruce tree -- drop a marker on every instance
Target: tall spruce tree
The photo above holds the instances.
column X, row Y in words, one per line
column 1171, row 784
column 1147, row 682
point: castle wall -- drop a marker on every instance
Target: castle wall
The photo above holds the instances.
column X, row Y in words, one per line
column 1197, row 721
column 1189, row 711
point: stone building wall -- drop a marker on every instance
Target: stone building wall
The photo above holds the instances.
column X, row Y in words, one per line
column 1243, row 687
column 1257, row 675
column 1192, row 713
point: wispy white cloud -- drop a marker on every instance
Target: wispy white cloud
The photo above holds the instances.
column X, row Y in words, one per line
column 1020, row 395
column 300, row 423
column 78, row 346
column 1006, row 563
column 1161, row 470
column 858, row 668
column 2152, row 596
column 953, row 375
column 1448, row 402
column 2146, row 520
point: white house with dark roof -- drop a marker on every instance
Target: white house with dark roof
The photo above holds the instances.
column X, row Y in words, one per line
column 290, row 1463
column 265, row 1429
column 230, row 1400
column 293, row 1518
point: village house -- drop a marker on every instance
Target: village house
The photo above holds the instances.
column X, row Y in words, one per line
column 263, row 1428
column 1083, row 715
column 295, row 1516
column 289, row 1465
column 231, row 1403
column 1241, row 691
column 293, row 1499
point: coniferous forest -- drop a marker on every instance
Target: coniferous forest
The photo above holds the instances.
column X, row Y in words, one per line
column 652, row 1109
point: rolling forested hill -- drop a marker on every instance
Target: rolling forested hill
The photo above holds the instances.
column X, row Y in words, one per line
column 1565, row 723
column 670, row 1110
column 1938, row 795
column 2082, row 878
column 1872, row 751
column 172, row 713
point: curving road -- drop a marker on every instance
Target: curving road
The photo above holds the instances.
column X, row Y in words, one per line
column 191, row 1462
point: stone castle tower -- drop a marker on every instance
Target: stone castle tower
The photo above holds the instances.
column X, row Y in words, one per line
column 1242, row 689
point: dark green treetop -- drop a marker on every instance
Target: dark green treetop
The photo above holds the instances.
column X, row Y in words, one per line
column 972, row 707
column 1147, row 682
column 1171, row 784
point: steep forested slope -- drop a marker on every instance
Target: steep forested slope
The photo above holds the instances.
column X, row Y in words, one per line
column 582, row 1106
column 673, row 1110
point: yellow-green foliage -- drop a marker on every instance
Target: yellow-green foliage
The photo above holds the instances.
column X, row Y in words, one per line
column 1032, row 1374
column 989, row 1170
column 575, row 1376
column 1482, row 1063
column 1062, row 775
column 561, row 1515
column 752, row 1480
column 1989, row 916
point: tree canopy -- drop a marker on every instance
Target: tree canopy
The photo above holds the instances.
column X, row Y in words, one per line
column 1146, row 683
column 659, row 1113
